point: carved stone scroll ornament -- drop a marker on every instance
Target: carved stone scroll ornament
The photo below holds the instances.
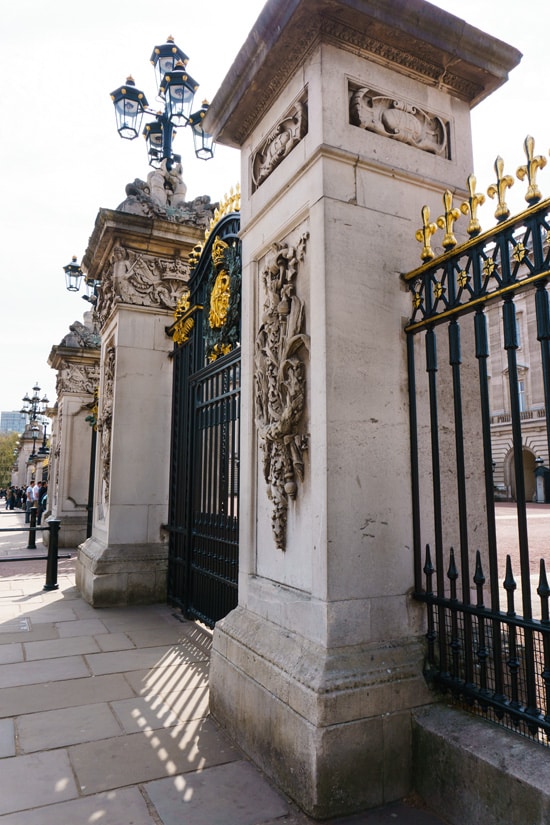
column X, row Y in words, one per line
column 137, row 279
column 105, row 420
column 280, row 382
column 398, row 120
column 279, row 143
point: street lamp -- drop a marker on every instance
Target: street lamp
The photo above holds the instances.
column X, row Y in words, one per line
column 35, row 408
column 176, row 90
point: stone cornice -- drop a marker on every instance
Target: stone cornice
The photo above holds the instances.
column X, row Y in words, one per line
column 411, row 36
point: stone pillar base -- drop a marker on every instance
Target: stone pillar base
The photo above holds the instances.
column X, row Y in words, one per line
column 121, row 574
column 331, row 727
column 71, row 533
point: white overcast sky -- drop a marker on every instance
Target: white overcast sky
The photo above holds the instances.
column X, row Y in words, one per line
column 61, row 159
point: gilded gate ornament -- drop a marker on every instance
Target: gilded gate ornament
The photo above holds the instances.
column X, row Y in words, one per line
column 280, row 382
column 529, row 171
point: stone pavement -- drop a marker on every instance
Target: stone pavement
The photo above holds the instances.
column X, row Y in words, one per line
column 104, row 714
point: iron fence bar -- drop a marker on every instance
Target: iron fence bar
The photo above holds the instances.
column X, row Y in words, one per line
column 455, row 361
column 415, row 477
column 543, row 335
column 431, row 368
column 482, row 354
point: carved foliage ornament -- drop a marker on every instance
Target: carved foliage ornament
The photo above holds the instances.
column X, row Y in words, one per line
column 398, row 120
column 279, row 143
column 105, row 420
column 281, row 348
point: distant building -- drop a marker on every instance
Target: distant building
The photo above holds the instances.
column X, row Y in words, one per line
column 12, row 422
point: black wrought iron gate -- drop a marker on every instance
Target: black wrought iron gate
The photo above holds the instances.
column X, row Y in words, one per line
column 204, row 473
column 486, row 306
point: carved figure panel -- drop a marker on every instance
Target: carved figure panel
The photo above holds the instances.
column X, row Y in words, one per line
column 141, row 280
column 279, row 143
column 77, row 378
column 281, row 349
column 399, row 120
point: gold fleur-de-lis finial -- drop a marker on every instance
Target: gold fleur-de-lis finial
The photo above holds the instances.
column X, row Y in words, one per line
column 470, row 207
column 499, row 188
column 424, row 234
column 447, row 220
column 530, row 169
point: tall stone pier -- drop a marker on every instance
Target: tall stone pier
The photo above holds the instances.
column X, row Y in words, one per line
column 138, row 254
column 350, row 116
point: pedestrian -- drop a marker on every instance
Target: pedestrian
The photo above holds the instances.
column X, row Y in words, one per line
column 42, row 501
column 28, row 503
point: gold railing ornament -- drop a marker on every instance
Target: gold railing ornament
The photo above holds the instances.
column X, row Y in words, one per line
column 183, row 318
column 470, row 207
column 529, row 171
column 447, row 220
column 424, row 234
column 499, row 188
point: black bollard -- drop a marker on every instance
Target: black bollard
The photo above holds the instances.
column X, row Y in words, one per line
column 32, row 530
column 51, row 564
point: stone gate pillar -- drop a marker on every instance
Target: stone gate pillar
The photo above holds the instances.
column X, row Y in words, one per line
column 140, row 258
column 350, row 117
column 76, row 360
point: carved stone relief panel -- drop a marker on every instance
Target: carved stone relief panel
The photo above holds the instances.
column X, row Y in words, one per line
column 105, row 420
column 141, row 280
column 281, row 352
column 280, row 141
column 77, row 378
column 399, row 120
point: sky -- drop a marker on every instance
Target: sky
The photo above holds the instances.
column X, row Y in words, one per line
column 61, row 159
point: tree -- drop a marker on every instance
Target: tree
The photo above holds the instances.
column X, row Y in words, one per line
column 7, row 446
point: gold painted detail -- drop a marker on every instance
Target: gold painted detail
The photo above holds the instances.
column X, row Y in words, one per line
column 519, row 252
column 530, row 169
column 489, row 267
column 463, row 279
column 184, row 321
column 447, row 220
column 219, row 300
column 498, row 189
column 424, row 234
column 439, row 289
column 470, row 207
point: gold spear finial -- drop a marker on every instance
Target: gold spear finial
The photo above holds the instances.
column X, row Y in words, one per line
column 424, row 234
column 529, row 171
column 470, row 207
column 447, row 220
column 499, row 188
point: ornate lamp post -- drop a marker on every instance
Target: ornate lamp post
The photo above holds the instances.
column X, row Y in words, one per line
column 176, row 90
column 35, row 408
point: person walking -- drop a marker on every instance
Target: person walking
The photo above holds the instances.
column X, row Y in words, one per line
column 28, row 503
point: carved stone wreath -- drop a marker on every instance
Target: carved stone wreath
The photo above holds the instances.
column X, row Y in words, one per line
column 280, row 382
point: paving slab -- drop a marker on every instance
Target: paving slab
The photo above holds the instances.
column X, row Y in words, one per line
column 114, row 641
column 11, row 653
column 141, row 757
column 144, row 658
column 32, row 673
column 68, row 726
column 46, row 777
column 81, row 627
column 141, row 713
column 11, row 631
column 53, row 649
column 7, row 738
column 241, row 797
column 163, row 680
column 122, row 807
column 63, row 694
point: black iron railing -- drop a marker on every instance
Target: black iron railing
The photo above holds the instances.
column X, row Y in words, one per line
column 487, row 645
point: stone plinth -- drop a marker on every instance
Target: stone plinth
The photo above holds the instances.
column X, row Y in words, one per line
column 363, row 121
